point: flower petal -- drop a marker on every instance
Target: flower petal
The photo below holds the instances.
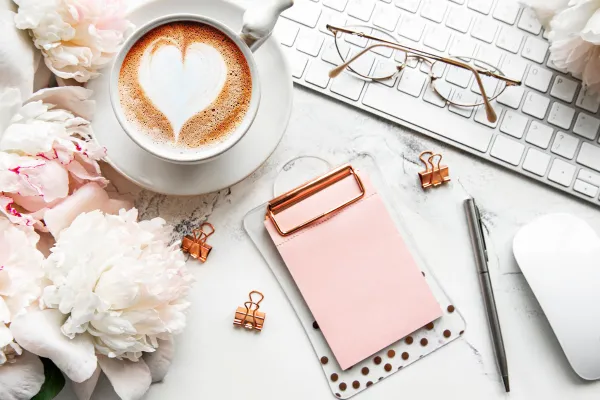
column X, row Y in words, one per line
column 22, row 379
column 131, row 380
column 17, row 55
column 88, row 198
column 159, row 361
column 73, row 98
column 39, row 331
column 85, row 389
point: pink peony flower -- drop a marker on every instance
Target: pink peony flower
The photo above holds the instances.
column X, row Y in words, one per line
column 47, row 153
column 76, row 37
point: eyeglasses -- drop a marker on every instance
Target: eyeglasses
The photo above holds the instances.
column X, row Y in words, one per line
column 491, row 82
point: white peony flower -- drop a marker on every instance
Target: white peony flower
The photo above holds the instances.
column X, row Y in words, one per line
column 574, row 34
column 47, row 152
column 20, row 281
column 76, row 37
column 118, row 281
column 21, row 373
column 117, row 295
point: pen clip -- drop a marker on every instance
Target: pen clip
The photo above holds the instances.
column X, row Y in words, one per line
column 480, row 224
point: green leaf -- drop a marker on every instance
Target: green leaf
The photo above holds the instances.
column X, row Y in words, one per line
column 54, row 382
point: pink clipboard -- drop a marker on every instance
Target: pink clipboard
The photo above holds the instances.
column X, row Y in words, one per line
column 352, row 266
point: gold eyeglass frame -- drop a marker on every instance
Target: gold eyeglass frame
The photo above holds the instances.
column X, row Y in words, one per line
column 430, row 59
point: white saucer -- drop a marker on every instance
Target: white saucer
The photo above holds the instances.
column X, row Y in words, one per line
column 237, row 163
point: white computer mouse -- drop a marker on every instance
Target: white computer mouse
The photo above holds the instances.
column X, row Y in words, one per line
column 559, row 255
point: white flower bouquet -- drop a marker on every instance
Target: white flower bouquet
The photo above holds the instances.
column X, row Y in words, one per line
column 574, row 33
column 113, row 290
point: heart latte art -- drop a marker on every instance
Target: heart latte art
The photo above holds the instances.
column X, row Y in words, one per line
column 185, row 84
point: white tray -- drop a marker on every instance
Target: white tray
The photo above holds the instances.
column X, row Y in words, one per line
column 345, row 384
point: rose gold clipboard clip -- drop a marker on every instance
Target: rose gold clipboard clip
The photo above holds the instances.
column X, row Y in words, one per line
column 435, row 174
column 295, row 196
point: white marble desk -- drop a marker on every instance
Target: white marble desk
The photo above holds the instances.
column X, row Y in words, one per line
column 213, row 361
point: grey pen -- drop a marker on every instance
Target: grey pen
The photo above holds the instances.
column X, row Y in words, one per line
column 481, row 261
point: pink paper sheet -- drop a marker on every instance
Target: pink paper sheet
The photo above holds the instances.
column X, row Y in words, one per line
column 355, row 272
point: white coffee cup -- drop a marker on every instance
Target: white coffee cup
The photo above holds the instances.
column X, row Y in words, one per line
column 257, row 26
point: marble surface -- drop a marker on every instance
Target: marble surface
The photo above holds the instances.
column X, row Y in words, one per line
column 215, row 361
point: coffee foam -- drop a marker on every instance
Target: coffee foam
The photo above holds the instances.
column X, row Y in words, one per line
column 211, row 124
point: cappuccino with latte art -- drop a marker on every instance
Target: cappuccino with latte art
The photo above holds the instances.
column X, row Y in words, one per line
column 185, row 85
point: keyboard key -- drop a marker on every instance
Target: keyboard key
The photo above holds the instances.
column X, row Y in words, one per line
column 437, row 38
column 513, row 67
column 318, row 73
column 403, row 106
column 358, row 40
column 363, row 64
column 489, row 55
column 385, row 68
column 332, row 18
column 507, row 150
column 339, row 5
column 586, row 126
column 561, row 115
column 506, row 11
column 412, row 81
column 297, row 62
column 309, row 42
column 489, row 84
column 538, row 78
column 536, row 162
column 539, row 134
column 482, row 6
column 535, row 105
column 511, row 96
column 458, row 1
column 361, row 9
column 400, row 56
column 286, row 31
column 304, row 12
column 331, row 54
column 589, row 155
column 535, row 49
column 564, row 89
column 514, row 124
column 529, row 22
column 585, row 188
column 510, row 39
column 589, row 177
column 565, row 145
column 588, row 101
column 411, row 27
column 386, row 1
column 484, row 29
column 481, row 116
column 462, row 47
column 381, row 50
column 459, row 19
column 459, row 76
column 438, row 68
column 434, row 10
column 561, row 172
column 386, row 17
column 432, row 97
column 408, row 5
column 347, row 85
column 463, row 97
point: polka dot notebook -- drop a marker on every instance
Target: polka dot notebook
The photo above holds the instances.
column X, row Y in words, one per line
column 346, row 382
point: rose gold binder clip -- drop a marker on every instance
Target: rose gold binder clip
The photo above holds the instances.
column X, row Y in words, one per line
column 248, row 316
column 196, row 245
column 435, row 174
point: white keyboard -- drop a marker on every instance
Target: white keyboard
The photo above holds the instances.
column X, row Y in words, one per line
column 547, row 129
